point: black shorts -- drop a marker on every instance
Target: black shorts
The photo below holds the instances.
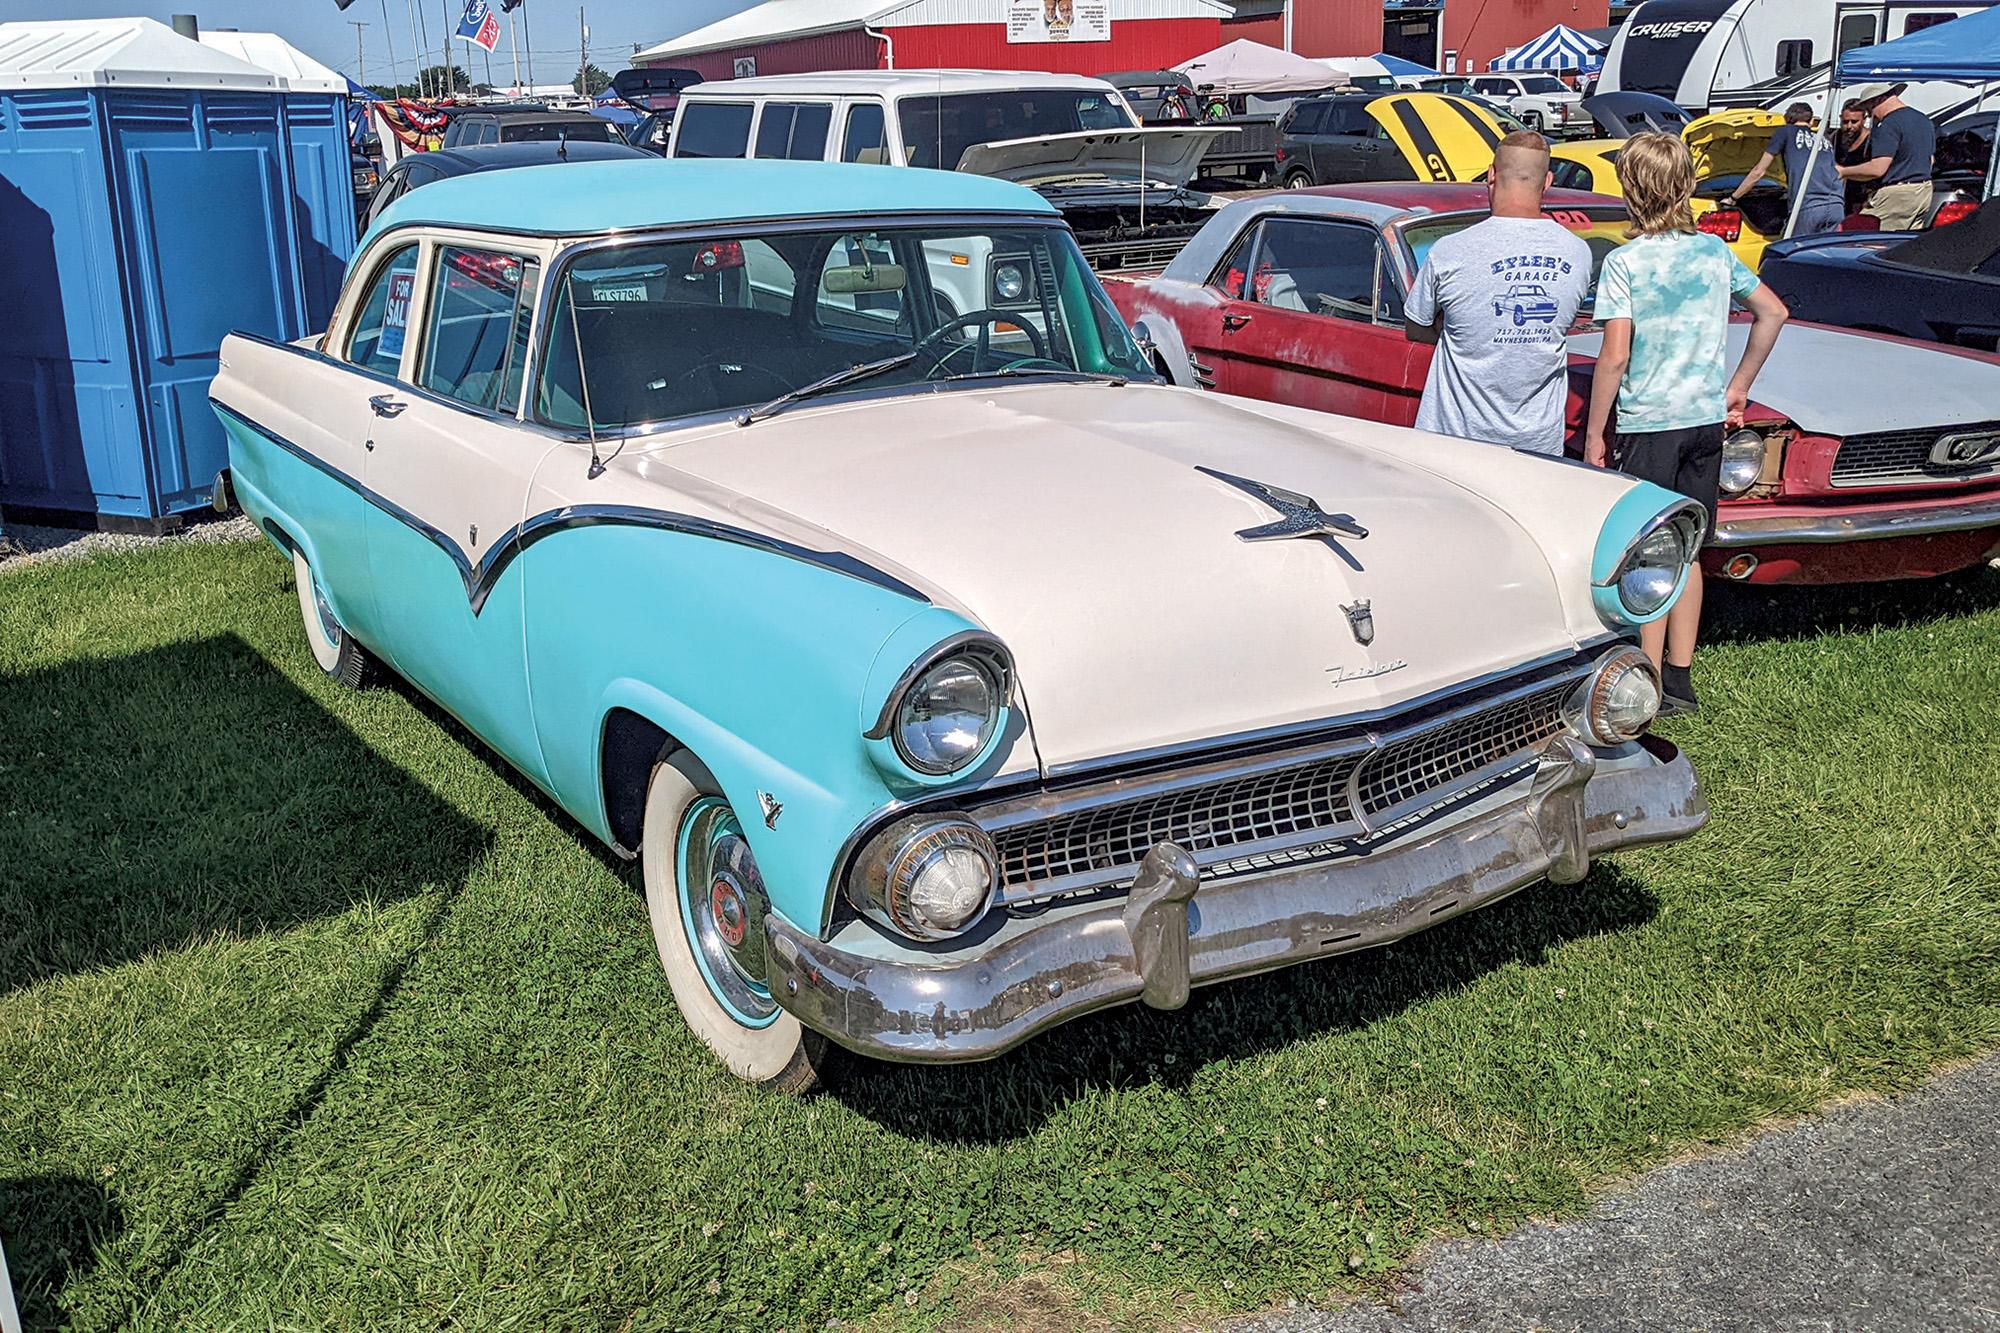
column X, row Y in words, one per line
column 1688, row 460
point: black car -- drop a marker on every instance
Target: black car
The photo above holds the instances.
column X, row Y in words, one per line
column 439, row 164
column 1941, row 285
column 1332, row 140
column 491, row 125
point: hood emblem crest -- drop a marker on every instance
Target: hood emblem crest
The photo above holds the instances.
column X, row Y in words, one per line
column 1298, row 515
column 1361, row 620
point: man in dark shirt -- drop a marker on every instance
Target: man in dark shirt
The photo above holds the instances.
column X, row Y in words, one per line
column 1850, row 146
column 1824, row 205
column 1899, row 158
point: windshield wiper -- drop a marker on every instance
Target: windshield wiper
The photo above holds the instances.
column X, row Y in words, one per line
column 1011, row 372
column 838, row 378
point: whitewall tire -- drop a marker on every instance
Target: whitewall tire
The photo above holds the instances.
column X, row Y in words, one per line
column 705, row 900
column 332, row 646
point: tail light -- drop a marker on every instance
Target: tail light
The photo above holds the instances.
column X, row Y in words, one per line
column 500, row 272
column 1726, row 223
column 1281, row 153
column 714, row 258
column 1954, row 210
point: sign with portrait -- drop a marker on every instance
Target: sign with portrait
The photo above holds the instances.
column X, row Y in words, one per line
column 1058, row 20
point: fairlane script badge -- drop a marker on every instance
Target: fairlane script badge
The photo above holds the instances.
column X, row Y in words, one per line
column 1344, row 675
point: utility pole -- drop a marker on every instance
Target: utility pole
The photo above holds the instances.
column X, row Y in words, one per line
column 360, row 53
column 528, row 40
column 582, row 54
column 444, row 44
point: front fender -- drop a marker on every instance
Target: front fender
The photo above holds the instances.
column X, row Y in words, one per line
column 756, row 662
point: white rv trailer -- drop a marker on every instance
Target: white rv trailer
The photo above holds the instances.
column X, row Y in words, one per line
column 1711, row 53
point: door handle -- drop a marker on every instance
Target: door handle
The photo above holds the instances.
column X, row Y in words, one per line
column 1233, row 322
column 385, row 406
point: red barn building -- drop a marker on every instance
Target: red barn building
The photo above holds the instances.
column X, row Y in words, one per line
column 1426, row 31
column 1060, row 36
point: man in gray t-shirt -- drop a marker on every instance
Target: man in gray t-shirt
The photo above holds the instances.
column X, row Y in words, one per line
column 1497, row 299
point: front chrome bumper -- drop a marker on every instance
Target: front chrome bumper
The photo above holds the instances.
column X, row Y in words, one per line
column 1172, row 931
column 1865, row 525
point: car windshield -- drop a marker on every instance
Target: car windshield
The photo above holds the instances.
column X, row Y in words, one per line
column 1543, row 84
column 1602, row 229
column 938, row 130
column 577, row 131
column 725, row 323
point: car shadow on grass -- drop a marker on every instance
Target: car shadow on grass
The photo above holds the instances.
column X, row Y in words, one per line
column 1749, row 613
column 191, row 791
column 1132, row 1046
column 52, row 1226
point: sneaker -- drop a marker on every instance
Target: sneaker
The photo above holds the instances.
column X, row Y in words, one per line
column 1674, row 705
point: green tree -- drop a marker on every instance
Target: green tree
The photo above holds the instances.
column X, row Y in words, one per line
column 595, row 81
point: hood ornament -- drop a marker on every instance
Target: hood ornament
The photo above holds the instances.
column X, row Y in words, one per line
column 1361, row 620
column 1299, row 515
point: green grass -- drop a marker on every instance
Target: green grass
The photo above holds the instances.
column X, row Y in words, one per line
column 311, row 1015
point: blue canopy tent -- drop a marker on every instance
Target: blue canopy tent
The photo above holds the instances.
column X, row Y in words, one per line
column 1401, row 68
column 1965, row 50
column 1561, row 47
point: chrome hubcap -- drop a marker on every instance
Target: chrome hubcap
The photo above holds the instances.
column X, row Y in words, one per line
column 721, row 904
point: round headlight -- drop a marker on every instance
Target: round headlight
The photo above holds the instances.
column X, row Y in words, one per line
column 928, row 877
column 947, row 715
column 1742, row 461
column 1619, row 700
column 1653, row 570
column 1009, row 282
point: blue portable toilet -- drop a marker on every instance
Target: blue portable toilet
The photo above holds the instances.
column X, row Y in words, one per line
column 149, row 204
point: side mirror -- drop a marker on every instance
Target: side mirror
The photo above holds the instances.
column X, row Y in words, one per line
column 1143, row 337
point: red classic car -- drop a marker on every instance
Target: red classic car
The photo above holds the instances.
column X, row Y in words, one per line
column 1864, row 456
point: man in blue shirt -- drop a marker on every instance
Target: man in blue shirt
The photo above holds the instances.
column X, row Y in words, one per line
column 1825, row 199
column 1900, row 148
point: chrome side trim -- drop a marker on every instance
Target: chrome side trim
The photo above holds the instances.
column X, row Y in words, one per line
column 480, row 577
column 1837, row 527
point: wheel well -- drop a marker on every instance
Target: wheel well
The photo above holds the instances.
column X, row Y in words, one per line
column 632, row 745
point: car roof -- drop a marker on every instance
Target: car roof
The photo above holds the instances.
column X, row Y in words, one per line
column 891, row 82
column 1386, row 200
column 592, row 198
column 523, row 153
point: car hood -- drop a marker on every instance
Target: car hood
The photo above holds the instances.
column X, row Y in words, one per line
column 1158, row 154
column 1072, row 520
column 1729, row 143
column 1441, row 137
column 1839, row 382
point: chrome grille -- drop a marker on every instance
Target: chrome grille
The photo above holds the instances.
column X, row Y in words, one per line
column 1409, row 770
column 1240, row 812
column 1902, row 457
column 1286, row 807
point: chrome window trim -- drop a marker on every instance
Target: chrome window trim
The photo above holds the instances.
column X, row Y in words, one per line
column 531, row 268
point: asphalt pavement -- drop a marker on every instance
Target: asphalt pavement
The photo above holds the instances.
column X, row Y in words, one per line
column 1876, row 1215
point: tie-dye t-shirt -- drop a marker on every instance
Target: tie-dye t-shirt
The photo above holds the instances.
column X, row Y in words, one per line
column 1675, row 287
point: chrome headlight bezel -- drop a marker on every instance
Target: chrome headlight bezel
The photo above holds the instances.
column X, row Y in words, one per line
column 974, row 650
column 1742, row 460
column 1588, row 708
column 1654, row 566
column 883, row 883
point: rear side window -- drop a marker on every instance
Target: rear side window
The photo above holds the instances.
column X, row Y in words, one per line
column 1307, row 117
column 795, row 130
column 865, row 140
column 482, row 303
column 713, row 129
column 383, row 324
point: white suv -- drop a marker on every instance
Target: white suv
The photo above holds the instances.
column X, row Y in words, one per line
column 1539, row 101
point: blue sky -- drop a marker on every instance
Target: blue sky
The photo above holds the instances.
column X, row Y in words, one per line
column 321, row 30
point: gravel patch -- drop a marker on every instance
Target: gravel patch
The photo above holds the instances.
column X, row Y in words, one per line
column 1878, row 1215
column 22, row 545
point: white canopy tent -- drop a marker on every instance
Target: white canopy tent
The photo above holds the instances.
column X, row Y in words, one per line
column 1244, row 66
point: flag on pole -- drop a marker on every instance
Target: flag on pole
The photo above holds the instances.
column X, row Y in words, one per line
column 509, row 6
column 478, row 25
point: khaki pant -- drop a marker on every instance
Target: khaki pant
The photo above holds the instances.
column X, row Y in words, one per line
column 1900, row 207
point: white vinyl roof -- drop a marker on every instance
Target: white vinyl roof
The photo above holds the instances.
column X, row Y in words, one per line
column 118, row 53
column 891, row 83
column 268, row 51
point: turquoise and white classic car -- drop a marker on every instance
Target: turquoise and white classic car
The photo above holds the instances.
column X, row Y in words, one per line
column 949, row 674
